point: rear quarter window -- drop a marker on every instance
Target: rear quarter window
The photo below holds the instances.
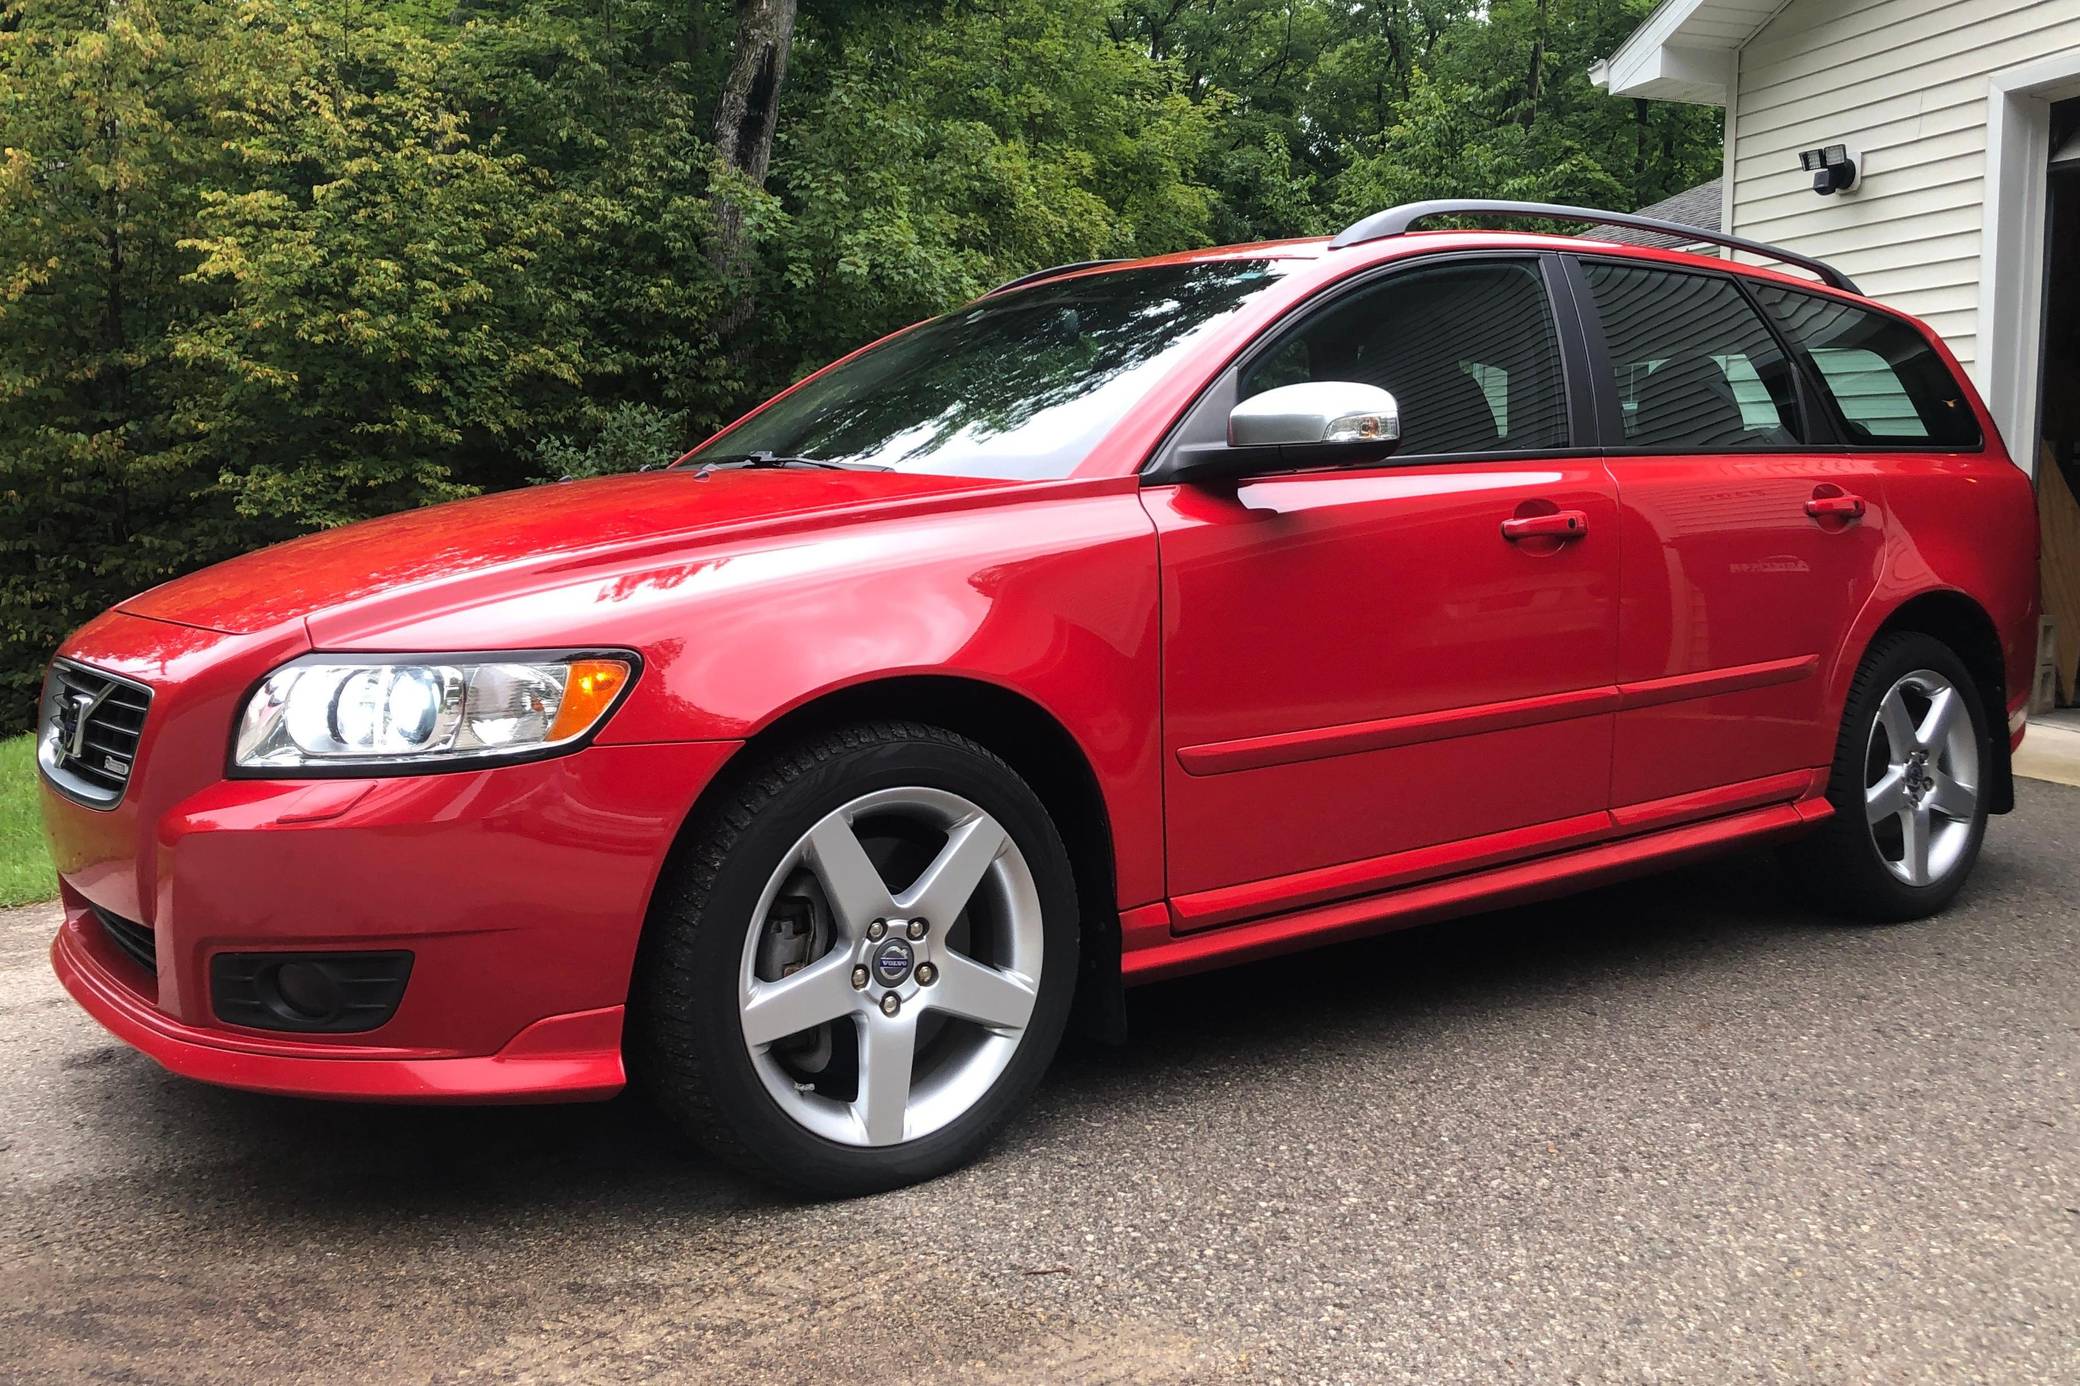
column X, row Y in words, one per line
column 1886, row 383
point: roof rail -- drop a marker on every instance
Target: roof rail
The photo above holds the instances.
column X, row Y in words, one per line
column 1050, row 273
column 1396, row 220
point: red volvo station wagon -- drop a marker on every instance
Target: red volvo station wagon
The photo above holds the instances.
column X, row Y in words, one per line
column 1133, row 619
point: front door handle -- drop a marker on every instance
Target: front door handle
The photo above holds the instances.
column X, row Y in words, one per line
column 1561, row 524
column 1835, row 507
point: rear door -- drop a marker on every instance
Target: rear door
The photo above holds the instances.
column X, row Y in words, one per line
column 1366, row 678
column 1751, row 539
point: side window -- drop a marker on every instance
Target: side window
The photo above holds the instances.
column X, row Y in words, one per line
column 1696, row 366
column 1883, row 376
column 1467, row 349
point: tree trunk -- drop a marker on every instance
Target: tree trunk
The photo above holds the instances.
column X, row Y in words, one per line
column 1534, row 82
column 751, row 94
column 1394, row 29
column 1639, row 152
column 745, row 121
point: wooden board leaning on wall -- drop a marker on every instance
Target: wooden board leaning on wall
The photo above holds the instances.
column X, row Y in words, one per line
column 2058, row 516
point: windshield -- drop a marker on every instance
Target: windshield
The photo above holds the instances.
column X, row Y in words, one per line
column 1021, row 385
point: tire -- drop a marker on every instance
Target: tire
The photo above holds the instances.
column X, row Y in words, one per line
column 768, row 918
column 1891, row 771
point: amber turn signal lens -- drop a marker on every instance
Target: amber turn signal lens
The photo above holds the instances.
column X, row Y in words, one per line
column 587, row 694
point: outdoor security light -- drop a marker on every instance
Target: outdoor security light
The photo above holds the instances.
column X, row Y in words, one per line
column 1833, row 168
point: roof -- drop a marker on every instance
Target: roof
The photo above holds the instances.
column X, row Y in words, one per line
column 1698, row 207
column 1315, row 264
column 1684, row 51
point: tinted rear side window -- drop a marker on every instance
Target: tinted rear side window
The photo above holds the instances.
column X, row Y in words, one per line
column 1467, row 350
column 1697, row 368
column 1881, row 375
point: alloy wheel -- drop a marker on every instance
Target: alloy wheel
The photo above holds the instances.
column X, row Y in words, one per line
column 1921, row 782
column 892, row 966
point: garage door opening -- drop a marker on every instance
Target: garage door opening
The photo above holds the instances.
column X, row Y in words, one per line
column 2058, row 464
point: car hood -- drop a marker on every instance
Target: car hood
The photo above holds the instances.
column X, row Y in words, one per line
column 525, row 531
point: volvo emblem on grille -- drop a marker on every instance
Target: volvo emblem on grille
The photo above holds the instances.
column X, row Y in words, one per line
column 72, row 721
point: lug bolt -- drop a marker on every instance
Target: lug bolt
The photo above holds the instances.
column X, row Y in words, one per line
column 859, row 979
column 917, row 928
column 926, row 974
column 891, row 1003
column 876, row 930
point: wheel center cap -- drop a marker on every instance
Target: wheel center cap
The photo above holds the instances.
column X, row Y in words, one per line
column 1919, row 781
column 893, row 961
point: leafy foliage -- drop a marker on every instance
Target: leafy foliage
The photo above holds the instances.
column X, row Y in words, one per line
column 272, row 265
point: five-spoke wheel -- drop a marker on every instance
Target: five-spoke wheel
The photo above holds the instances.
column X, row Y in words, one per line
column 1922, row 794
column 864, row 963
column 930, row 985
column 1907, row 785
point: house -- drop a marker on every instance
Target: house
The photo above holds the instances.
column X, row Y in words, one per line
column 1699, row 207
column 1931, row 150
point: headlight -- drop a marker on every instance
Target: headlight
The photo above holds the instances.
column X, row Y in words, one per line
column 339, row 711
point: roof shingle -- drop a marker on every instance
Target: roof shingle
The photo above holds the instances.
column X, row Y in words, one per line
column 1698, row 207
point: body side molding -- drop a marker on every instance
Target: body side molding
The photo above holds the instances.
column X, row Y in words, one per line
column 1352, row 738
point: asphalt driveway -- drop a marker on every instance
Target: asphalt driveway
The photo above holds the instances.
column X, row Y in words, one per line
column 1674, row 1130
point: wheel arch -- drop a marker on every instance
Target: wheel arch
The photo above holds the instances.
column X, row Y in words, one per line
column 1033, row 742
column 1960, row 622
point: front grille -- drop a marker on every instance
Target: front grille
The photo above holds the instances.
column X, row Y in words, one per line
column 134, row 939
column 88, row 735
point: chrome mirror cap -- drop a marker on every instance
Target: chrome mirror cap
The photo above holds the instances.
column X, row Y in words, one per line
column 1318, row 411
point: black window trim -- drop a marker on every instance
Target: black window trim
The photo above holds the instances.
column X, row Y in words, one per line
column 1824, row 397
column 1577, row 384
column 1610, row 413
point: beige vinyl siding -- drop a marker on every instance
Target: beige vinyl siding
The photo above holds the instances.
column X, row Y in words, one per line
column 1903, row 83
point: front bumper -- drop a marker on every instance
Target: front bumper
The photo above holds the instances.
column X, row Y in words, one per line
column 565, row 1058
column 520, row 891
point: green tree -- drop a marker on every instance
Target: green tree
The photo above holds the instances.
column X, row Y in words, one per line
column 268, row 265
column 383, row 316
column 932, row 155
column 106, row 142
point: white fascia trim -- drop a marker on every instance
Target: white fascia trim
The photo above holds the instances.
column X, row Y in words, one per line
column 2008, row 364
column 1648, row 64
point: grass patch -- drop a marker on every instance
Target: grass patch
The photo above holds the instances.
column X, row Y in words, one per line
column 25, row 866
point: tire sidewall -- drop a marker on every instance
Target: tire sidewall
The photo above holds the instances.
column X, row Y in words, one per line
column 715, row 941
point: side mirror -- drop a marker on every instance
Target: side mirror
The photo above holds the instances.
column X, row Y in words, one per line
column 1317, row 412
column 1321, row 423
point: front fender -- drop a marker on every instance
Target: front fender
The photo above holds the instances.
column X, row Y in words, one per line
column 1050, row 592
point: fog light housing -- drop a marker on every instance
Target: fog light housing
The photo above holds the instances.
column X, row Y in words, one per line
column 332, row 993
column 306, row 990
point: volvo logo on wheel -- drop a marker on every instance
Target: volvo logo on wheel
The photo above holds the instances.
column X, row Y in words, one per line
column 892, row 963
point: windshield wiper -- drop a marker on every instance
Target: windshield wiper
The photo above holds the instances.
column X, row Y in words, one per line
column 765, row 458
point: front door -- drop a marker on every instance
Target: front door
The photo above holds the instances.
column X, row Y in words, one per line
column 1373, row 674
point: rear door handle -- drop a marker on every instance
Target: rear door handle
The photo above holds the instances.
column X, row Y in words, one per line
column 1561, row 524
column 1843, row 507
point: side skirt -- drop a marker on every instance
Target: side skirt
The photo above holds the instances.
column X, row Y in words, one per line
column 1475, row 891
